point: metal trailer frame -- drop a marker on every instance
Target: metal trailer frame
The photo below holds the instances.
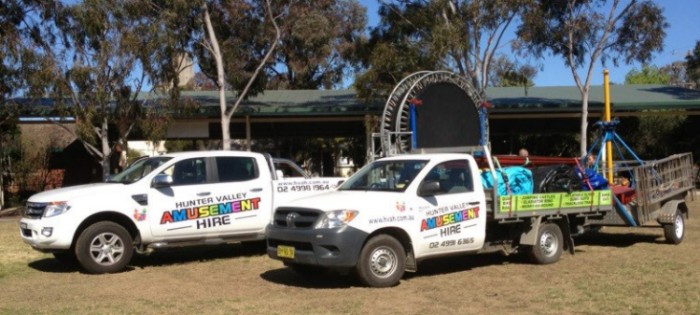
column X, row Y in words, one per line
column 661, row 187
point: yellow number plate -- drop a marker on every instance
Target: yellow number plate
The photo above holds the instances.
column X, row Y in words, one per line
column 285, row 251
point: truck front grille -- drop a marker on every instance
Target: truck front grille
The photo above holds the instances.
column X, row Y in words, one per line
column 34, row 210
column 296, row 218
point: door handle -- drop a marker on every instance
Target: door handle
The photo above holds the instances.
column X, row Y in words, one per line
column 256, row 190
column 474, row 203
column 202, row 194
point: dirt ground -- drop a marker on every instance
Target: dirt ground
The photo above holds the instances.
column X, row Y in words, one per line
column 617, row 271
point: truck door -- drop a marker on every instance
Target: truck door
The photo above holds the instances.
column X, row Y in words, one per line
column 453, row 214
column 242, row 193
column 176, row 209
column 210, row 197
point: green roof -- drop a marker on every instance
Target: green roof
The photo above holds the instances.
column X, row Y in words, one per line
column 622, row 97
column 504, row 99
column 290, row 102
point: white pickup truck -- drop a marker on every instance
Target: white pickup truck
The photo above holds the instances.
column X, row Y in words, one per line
column 397, row 211
column 188, row 198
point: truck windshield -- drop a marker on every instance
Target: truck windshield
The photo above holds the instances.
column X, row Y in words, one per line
column 393, row 175
column 138, row 170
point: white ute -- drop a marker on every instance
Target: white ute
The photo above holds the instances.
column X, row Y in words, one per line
column 189, row 198
column 397, row 211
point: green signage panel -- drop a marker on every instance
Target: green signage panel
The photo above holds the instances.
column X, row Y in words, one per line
column 554, row 201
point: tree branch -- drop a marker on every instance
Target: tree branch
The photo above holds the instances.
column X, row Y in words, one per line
column 278, row 35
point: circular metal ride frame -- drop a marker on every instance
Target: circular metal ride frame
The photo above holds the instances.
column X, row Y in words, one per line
column 395, row 126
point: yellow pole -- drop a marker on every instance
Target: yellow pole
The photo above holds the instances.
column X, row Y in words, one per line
column 608, row 144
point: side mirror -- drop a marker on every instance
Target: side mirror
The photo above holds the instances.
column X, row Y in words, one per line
column 162, row 180
column 429, row 188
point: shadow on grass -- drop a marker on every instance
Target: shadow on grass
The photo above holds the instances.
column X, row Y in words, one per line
column 617, row 239
column 165, row 257
column 431, row 267
column 180, row 255
column 54, row 266
column 324, row 279
column 453, row 264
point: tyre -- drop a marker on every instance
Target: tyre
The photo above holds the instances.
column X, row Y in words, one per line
column 104, row 247
column 549, row 245
column 382, row 262
column 66, row 257
column 675, row 232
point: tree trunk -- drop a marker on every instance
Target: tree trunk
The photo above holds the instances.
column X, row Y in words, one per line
column 225, row 122
column 216, row 53
column 584, row 122
column 105, row 149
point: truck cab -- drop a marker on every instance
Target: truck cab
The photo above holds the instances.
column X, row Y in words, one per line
column 413, row 206
column 203, row 197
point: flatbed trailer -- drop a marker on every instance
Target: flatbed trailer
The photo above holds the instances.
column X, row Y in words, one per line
column 660, row 191
column 657, row 193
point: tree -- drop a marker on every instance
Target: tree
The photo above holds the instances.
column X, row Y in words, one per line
column 582, row 33
column 458, row 35
column 91, row 61
column 318, row 41
column 693, row 65
column 651, row 135
column 507, row 73
column 676, row 73
column 648, row 75
column 214, row 51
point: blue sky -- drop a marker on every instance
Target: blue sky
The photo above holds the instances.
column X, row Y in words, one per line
column 683, row 32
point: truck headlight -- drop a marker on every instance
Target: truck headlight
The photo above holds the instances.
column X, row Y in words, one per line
column 336, row 219
column 56, row 208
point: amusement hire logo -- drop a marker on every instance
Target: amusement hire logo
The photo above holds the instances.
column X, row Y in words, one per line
column 140, row 216
column 401, row 206
column 448, row 219
column 211, row 215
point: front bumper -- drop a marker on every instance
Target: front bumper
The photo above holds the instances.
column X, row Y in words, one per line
column 339, row 248
column 47, row 234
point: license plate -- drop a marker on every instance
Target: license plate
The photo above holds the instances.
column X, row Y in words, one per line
column 285, row 251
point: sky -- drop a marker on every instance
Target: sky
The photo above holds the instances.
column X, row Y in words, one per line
column 681, row 35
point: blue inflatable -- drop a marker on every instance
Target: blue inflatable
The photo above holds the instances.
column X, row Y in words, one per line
column 597, row 181
column 519, row 180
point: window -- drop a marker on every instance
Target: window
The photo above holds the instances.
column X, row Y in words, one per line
column 392, row 175
column 138, row 170
column 236, row 169
column 188, row 172
column 288, row 168
column 453, row 176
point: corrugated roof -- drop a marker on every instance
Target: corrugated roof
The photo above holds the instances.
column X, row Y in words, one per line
column 291, row 102
column 622, row 97
column 504, row 99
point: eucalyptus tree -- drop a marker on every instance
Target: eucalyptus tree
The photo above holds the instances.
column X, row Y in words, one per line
column 97, row 62
column 693, row 65
column 585, row 32
column 244, row 51
column 647, row 75
column 319, row 39
column 459, row 35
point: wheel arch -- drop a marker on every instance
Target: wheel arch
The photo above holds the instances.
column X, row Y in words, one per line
column 395, row 232
column 668, row 211
column 529, row 234
column 111, row 216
